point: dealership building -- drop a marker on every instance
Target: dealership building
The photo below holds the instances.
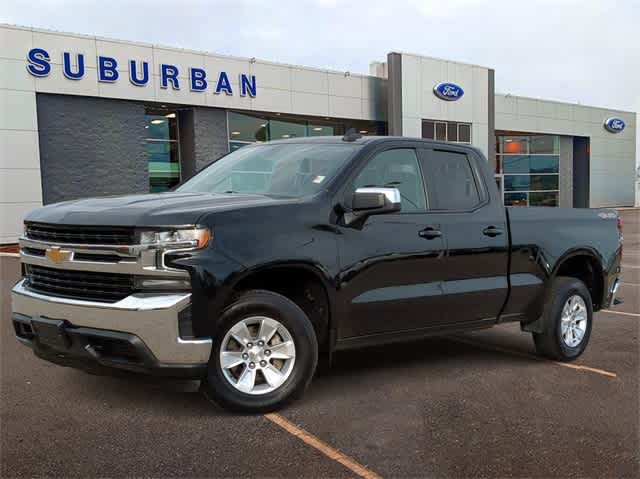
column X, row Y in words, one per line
column 87, row 116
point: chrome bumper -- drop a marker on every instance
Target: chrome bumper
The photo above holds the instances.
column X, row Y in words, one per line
column 151, row 317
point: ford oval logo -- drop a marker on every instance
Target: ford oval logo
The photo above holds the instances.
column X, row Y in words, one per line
column 448, row 91
column 614, row 125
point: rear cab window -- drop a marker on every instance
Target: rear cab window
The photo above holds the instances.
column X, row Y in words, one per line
column 450, row 179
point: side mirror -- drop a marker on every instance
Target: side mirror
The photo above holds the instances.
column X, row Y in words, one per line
column 376, row 201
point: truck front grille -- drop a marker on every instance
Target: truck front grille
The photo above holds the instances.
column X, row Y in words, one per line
column 80, row 234
column 84, row 285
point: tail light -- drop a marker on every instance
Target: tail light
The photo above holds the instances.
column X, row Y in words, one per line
column 619, row 223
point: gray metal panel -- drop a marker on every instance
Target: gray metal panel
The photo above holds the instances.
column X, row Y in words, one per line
column 394, row 94
column 566, row 172
column 187, row 143
column 91, row 147
column 581, row 172
column 491, row 144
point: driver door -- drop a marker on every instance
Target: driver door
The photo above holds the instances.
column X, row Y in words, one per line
column 391, row 266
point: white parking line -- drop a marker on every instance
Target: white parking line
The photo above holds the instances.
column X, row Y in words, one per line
column 322, row 446
column 624, row 313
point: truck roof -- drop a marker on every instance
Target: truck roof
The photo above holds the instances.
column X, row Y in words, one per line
column 365, row 140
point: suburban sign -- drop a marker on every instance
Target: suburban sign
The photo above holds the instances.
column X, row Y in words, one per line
column 108, row 70
column 448, row 91
column 614, row 125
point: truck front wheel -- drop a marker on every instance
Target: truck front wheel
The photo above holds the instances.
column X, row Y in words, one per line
column 265, row 353
column 566, row 320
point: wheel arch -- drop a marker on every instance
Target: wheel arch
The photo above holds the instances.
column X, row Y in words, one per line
column 586, row 265
column 305, row 283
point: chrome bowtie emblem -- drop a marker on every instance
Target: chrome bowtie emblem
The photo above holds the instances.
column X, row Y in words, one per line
column 58, row 255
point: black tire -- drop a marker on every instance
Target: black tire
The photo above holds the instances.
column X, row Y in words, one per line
column 217, row 388
column 549, row 342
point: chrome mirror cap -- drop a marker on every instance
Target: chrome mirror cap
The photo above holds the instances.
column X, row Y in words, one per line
column 392, row 194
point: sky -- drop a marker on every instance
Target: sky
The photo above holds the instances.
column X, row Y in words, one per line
column 581, row 51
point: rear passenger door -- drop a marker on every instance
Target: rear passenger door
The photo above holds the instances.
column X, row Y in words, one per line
column 475, row 270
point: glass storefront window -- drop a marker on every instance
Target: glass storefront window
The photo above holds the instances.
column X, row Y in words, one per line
column 545, row 164
column 529, row 167
column 513, row 145
column 245, row 128
column 314, row 129
column 283, row 129
column 163, row 155
column 548, row 198
column 529, row 163
column 516, row 199
column 544, row 144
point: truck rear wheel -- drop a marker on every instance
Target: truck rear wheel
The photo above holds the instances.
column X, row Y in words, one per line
column 264, row 354
column 566, row 320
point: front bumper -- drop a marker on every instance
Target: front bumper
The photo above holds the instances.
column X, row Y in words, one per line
column 139, row 333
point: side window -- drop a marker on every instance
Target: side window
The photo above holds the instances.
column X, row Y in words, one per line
column 396, row 168
column 452, row 185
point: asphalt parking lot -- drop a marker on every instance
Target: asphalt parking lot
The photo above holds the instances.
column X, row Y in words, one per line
column 470, row 405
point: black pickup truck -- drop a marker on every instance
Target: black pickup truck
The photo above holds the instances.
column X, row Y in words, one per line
column 283, row 251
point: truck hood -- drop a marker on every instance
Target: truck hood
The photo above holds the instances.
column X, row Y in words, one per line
column 146, row 210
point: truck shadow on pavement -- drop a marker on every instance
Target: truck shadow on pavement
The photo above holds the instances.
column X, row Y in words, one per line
column 369, row 368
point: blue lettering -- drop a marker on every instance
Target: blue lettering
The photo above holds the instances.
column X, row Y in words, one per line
column 169, row 73
column 133, row 73
column 67, row 70
column 107, row 69
column 198, row 82
column 247, row 85
column 224, row 84
column 39, row 65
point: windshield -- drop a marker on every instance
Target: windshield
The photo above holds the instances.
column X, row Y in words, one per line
column 293, row 170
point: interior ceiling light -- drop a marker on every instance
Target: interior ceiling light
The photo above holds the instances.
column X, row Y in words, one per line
column 235, row 132
column 157, row 122
column 317, row 128
column 364, row 132
column 170, row 115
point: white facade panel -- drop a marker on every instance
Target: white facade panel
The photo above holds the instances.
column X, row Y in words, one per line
column 20, row 180
column 19, row 149
column 345, row 107
column 56, row 44
column 309, row 81
column 14, row 76
column 309, row 103
column 15, row 42
column 11, row 218
column 19, row 185
column 419, row 77
column 124, row 52
column 343, row 85
column 56, row 82
column 18, row 110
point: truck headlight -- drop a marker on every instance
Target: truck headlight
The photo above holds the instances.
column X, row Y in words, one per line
column 188, row 238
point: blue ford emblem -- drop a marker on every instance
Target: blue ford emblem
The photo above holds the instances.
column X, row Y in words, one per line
column 614, row 125
column 448, row 91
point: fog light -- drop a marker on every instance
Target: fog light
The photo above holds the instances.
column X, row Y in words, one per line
column 163, row 284
column 185, row 323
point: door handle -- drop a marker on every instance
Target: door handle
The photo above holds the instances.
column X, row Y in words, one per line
column 430, row 233
column 492, row 231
